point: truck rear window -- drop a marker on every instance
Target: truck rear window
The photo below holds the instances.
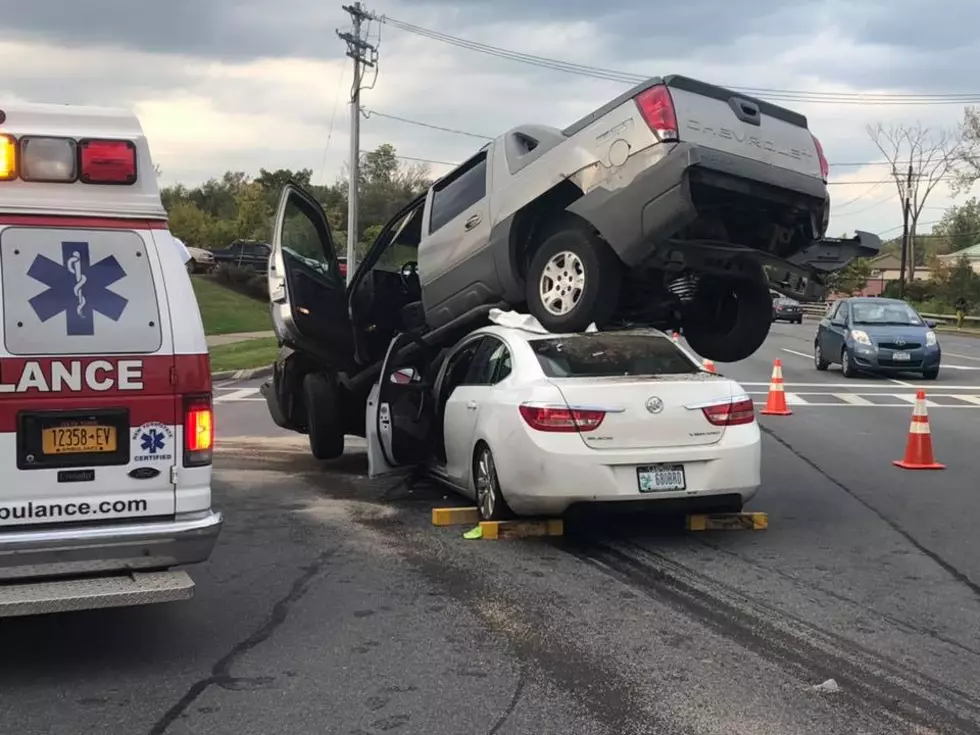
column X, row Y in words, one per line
column 610, row 355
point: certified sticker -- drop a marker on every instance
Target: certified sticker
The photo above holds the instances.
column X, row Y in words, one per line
column 152, row 442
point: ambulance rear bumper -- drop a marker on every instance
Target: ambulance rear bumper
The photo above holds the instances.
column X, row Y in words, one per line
column 99, row 550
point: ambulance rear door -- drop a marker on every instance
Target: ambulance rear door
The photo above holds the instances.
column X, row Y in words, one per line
column 88, row 411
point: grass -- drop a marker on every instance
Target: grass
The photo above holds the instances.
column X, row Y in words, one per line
column 225, row 311
column 251, row 353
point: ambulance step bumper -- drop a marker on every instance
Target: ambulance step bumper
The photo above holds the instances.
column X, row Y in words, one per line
column 66, row 595
column 108, row 549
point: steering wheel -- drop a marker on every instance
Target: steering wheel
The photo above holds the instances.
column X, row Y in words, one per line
column 410, row 277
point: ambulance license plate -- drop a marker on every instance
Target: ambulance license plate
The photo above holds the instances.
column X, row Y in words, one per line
column 661, row 478
column 79, row 439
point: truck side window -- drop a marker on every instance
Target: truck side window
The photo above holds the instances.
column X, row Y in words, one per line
column 460, row 191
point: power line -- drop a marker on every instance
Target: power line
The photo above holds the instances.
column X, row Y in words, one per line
column 426, row 160
column 370, row 113
column 595, row 72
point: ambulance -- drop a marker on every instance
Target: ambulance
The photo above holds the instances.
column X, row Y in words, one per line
column 106, row 415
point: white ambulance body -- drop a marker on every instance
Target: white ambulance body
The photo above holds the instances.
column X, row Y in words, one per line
column 106, row 422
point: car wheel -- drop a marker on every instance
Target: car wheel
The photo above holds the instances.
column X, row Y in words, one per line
column 846, row 366
column 799, row 320
column 489, row 500
column 930, row 374
column 573, row 280
column 323, row 422
column 818, row 362
column 729, row 321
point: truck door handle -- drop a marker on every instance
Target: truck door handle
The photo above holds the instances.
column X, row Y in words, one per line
column 471, row 406
column 473, row 222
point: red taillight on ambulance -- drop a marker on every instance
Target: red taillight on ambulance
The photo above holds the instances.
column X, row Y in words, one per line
column 107, row 161
column 561, row 418
column 731, row 413
column 657, row 108
column 824, row 165
column 198, row 430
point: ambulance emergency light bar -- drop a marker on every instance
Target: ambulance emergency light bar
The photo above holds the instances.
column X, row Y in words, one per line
column 46, row 159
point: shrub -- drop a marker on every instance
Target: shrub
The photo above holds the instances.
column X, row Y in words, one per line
column 242, row 280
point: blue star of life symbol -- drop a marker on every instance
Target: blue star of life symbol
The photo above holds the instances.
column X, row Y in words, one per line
column 152, row 441
column 78, row 288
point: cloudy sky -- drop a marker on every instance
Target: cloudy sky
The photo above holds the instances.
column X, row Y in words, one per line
column 244, row 84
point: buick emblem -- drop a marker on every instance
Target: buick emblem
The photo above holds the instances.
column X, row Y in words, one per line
column 900, row 341
column 655, row 405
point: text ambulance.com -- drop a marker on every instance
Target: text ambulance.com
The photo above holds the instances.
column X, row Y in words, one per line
column 32, row 510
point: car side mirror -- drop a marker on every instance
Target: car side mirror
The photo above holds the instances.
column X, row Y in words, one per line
column 932, row 324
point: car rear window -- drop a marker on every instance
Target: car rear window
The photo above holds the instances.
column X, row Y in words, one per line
column 610, row 355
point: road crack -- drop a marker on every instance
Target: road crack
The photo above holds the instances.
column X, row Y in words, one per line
column 221, row 671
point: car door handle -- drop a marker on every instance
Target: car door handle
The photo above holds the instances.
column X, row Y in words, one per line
column 473, row 221
column 471, row 406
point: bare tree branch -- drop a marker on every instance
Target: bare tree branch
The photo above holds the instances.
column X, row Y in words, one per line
column 932, row 155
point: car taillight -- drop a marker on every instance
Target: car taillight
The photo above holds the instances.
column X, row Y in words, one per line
column 198, row 430
column 8, row 157
column 731, row 413
column 657, row 108
column 824, row 165
column 561, row 418
column 48, row 159
column 107, row 161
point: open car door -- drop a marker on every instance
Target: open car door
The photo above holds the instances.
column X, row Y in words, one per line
column 400, row 413
column 308, row 296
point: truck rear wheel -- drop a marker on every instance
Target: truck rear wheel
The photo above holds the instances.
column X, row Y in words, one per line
column 730, row 320
column 573, row 279
column 323, row 419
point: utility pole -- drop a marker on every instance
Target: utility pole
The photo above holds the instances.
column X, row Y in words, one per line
column 906, row 210
column 364, row 55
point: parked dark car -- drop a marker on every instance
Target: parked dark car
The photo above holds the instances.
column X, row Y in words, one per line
column 876, row 335
column 244, row 254
column 785, row 309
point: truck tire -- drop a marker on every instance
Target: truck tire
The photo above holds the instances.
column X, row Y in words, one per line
column 323, row 419
column 581, row 272
column 731, row 321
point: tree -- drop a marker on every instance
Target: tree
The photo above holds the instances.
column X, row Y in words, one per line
column 959, row 227
column 850, row 279
column 970, row 154
column 931, row 156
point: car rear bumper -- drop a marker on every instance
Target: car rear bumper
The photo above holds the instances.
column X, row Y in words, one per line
column 658, row 202
column 787, row 316
column 535, row 481
column 872, row 360
column 105, row 549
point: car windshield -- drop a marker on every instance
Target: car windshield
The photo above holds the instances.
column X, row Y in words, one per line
column 610, row 355
column 885, row 313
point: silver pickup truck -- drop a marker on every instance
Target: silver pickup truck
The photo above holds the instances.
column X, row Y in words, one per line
column 677, row 205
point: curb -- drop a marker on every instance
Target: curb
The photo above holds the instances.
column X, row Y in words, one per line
column 249, row 374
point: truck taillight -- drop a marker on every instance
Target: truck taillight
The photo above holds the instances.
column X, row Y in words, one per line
column 198, row 430
column 560, row 418
column 731, row 413
column 657, row 108
column 824, row 166
column 107, row 161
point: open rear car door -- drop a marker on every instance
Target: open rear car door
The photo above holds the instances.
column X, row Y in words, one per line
column 400, row 413
column 308, row 296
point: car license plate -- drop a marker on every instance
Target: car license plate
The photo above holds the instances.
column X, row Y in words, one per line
column 901, row 356
column 660, row 478
column 79, row 439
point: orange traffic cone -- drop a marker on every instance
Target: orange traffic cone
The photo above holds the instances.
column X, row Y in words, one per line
column 776, row 401
column 709, row 366
column 918, row 449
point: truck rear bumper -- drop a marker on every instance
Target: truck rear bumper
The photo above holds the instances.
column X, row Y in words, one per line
column 658, row 202
column 108, row 549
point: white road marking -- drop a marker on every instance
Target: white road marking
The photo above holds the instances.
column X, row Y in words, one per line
column 911, row 397
column 793, row 399
column 242, row 394
column 975, row 400
column 946, row 366
column 794, row 352
column 900, row 382
column 853, row 399
column 962, row 357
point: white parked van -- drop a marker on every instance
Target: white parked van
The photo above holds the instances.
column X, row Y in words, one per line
column 106, row 421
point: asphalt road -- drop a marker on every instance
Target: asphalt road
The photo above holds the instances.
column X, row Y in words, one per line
column 332, row 606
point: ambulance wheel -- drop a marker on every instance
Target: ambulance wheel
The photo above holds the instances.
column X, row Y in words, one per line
column 323, row 424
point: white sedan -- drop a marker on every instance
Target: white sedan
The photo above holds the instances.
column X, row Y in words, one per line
column 531, row 423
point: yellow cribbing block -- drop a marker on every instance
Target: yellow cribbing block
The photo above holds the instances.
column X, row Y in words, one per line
column 494, row 530
column 728, row 522
column 455, row 516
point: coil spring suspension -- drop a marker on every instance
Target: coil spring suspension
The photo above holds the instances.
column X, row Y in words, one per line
column 685, row 288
